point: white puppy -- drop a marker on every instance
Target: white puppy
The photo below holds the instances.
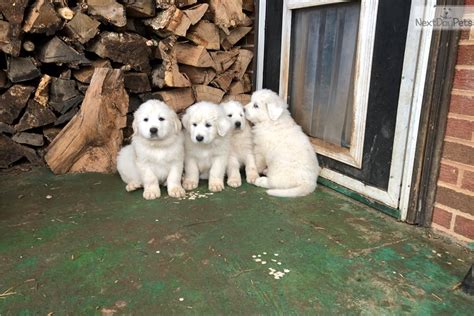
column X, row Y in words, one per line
column 206, row 144
column 156, row 154
column 241, row 146
column 281, row 147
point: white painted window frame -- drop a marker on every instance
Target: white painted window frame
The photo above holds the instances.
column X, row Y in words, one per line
column 364, row 53
column 408, row 114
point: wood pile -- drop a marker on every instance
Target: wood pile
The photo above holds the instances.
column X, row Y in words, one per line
column 73, row 71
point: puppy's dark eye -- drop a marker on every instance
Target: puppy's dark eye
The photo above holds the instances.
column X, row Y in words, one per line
column 208, row 125
column 146, row 119
column 230, row 115
column 161, row 119
column 241, row 114
column 194, row 124
column 255, row 105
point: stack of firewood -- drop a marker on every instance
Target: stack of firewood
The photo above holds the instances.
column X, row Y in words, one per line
column 178, row 51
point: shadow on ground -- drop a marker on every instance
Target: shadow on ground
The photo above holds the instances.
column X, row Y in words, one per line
column 80, row 244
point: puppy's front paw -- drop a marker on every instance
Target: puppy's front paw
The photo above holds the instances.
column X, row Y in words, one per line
column 262, row 182
column 234, row 182
column 252, row 175
column 176, row 192
column 151, row 193
column 216, row 185
column 132, row 186
column 190, row 184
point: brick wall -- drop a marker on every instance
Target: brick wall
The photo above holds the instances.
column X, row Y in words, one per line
column 454, row 207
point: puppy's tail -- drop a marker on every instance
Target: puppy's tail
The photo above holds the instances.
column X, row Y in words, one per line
column 301, row 190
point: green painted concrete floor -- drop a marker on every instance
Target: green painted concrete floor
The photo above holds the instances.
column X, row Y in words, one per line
column 80, row 244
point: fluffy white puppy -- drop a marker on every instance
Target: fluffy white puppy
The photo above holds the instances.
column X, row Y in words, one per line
column 156, row 154
column 281, row 147
column 206, row 145
column 241, row 146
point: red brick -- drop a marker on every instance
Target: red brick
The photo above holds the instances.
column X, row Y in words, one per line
column 465, row 55
column 464, row 79
column 442, row 217
column 458, row 152
column 468, row 181
column 448, row 174
column 461, row 104
column 464, row 226
column 456, row 200
column 459, row 128
column 469, row 2
column 465, row 34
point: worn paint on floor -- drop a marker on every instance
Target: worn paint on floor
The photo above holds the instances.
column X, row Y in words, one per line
column 94, row 248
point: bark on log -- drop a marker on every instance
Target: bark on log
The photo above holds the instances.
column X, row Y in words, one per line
column 91, row 140
column 42, row 19
column 172, row 20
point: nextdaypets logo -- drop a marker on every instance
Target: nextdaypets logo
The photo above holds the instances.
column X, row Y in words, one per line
column 445, row 17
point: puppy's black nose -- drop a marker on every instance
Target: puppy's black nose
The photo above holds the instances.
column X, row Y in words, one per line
column 153, row 130
column 238, row 124
column 199, row 138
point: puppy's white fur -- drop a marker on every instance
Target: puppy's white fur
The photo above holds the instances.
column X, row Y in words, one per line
column 241, row 146
column 206, row 145
column 154, row 157
column 281, row 147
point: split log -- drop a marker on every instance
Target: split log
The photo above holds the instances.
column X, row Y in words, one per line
column 91, row 140
column 56, row 51
column 168, row 74
column 205, row 34
column 66, row 117
column 137, row 82
column 192, row 55
column 13, row 15
column 108, row 11
column 224, row 80
column 84, row 74
column 196, row 13
column 125, row 48
column 51, row 133
column 172, row 20
column 6, row 129
column 140, row 8
column 206, row 93
column 65, row 13
column 31, row 139
column 22, row 69
column 11, row 152
column 241, row 86
column 3, row 79
column 198, row 76
column 35, row 115
column 64, row 95
column 42, row 91
column 29, row 46
column 227, row 13
column 235, row 35
column 82, row 28
column 178, row 99
column 13, row 101
column 42, row 19
column 165, row 4
column 248, row 5
column 244, row 99
column 224, row 60
column 243, row 61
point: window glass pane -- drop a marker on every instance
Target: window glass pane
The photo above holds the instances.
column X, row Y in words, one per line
column 322, row 63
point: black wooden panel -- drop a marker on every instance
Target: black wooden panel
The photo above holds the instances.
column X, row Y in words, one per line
column 271, row 64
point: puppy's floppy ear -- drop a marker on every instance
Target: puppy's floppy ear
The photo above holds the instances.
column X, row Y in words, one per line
column 275, row 108
column 177, row 123
column 135, row 125
column 185, row 120
column 223, row 126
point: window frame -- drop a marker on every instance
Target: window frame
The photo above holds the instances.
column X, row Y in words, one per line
column 364, row 51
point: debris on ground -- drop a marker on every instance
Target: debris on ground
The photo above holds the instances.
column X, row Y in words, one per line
column 259, row 258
